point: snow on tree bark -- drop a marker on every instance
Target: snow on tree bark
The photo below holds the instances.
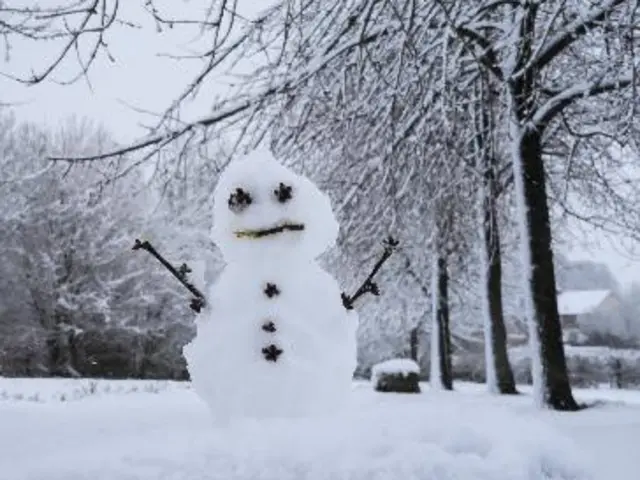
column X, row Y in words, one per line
column 549, row 368
column 435, row 374
column 539, row 393
column 490, row 368
column 495, row 334
column 499, row 375
column 441, row 375
column 548, row 362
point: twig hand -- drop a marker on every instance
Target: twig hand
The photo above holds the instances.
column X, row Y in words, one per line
column 199, row 300
column 369, row 286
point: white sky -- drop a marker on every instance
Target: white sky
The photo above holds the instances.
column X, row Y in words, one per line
column 140, row 77
column 622, row 256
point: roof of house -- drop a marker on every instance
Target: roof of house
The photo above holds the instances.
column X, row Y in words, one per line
column 578, row 302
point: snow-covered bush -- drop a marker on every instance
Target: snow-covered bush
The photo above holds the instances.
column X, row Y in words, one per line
column 400, row 375
column 588, row 366
column 75, row 300
column 619, row 371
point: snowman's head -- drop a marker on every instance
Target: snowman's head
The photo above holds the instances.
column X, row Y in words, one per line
column 265, row 212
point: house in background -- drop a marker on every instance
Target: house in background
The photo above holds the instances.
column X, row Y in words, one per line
column 586, row 312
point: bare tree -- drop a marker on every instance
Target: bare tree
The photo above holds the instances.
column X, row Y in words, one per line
column 555, row 63
column 552, row 58
column 489, row 166
column 71, row 282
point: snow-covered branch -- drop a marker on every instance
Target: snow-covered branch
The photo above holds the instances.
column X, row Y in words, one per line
column 78, row 20
column 571, row 32
column 556, row 104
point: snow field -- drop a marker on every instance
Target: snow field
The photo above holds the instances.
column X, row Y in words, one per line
column 162, row 430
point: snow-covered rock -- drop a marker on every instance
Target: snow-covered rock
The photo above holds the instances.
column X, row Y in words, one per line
column 396, row 375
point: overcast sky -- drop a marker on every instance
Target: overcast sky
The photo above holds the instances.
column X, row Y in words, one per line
column 140, row 77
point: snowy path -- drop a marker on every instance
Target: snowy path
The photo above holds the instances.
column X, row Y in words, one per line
column 434, row 436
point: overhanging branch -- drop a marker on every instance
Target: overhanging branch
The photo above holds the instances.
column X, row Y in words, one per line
column 559, row 102
column 167, row 137
column 572, row 31
column 232, row 108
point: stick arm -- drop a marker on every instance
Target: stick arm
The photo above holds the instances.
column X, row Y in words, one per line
column 369, row 286
column 198, row 302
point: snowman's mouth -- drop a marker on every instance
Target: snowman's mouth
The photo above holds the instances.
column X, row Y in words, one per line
column 265, row 232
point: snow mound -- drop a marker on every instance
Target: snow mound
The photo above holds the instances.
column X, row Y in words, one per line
column 258, row 194
column 403, row 366
column 389, row 444
column 400, row 439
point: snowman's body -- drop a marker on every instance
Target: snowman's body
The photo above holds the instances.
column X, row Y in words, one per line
column 276, row 340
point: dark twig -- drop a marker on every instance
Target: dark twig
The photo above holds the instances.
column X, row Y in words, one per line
column 369, row 286
column 180, row 273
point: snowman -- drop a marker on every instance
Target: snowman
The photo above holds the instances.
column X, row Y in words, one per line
column 275, row 339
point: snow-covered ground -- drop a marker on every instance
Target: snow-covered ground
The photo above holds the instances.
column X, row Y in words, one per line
column 142, row 430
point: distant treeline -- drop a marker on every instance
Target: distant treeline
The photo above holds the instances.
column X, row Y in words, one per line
column 74, row 298
column 109, row 353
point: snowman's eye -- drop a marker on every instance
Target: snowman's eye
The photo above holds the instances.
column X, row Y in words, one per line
column 283, row 193
column 239, row 200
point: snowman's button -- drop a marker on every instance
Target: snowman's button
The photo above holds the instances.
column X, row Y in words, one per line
column 271, row 353
column 269, row 326
column 271, row 290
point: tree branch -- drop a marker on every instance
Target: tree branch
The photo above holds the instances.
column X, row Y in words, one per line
column 559, row 102
column 95, row 9
column 223, row 114
column 488, row 58
column 572, row 32
column 230, row 109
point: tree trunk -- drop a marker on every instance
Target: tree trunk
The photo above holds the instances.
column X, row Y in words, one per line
column 498, row 370
column 59, row 353
column 441, row 330
column 505, row 382
column 413, row 344
column 557, row 389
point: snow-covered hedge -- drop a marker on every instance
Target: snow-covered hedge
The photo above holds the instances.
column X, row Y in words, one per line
column 400, row 375
column 588, row 366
